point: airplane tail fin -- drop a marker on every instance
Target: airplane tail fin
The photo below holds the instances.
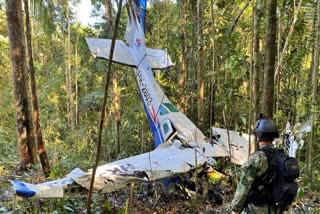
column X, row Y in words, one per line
column 100, row 48
column 134, row 33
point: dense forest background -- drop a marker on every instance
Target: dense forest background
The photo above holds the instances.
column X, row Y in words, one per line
column 219, row 49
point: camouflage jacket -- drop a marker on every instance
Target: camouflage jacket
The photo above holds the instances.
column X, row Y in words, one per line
column 254, row 167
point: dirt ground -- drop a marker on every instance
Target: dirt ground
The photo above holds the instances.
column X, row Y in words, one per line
column 153, row 198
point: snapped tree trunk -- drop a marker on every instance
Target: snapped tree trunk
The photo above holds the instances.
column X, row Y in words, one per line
column 41, row 148
column 18, row 68
column 271, row 50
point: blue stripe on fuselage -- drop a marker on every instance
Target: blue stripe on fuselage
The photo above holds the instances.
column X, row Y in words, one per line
column 155, row 130
column 157, row 137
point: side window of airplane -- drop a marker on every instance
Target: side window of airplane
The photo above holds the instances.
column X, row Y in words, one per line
column 170, row 107
column 163, row 110
column 166, row 129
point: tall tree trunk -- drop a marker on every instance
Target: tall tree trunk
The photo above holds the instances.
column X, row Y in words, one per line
column 68, row 72
column 183, row 61
column 192, row 66
column 116, row 90
column 116, row 94
column 256, row 59
column 271, row 50
column 76, row 80
column 278, row 77
column 213, row 82
column 142, row 134
column 200, row 100
column 108, row 15
column 41, row 148
column 315, row 70
column 18, row 68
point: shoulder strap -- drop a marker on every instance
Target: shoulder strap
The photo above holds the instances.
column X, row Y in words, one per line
column 271, row 153
column 260, row 191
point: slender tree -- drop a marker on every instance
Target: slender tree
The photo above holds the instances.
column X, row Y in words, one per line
column 108, row 17
column 116, row 89
column 76, row 80
column 103, row 111
column 192, row 64
column 116, row 100
column 213, row 81
column 279, row 46
column 271, row 50
column 256, row 58
column 41, row 148
column 200, row 56
column 182, row 57
column 315, row 71
column 18, row 68
column 284, row 49
column 68, row 70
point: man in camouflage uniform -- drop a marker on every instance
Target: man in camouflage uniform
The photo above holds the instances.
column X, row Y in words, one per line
column 256, row 165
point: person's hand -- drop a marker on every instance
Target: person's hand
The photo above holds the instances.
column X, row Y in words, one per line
column 234, row 212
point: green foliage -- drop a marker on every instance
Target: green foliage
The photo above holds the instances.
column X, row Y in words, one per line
column 300, row 194
column 68, row 148
column 7, row 114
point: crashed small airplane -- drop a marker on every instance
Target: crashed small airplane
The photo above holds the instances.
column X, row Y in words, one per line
column 180, row 145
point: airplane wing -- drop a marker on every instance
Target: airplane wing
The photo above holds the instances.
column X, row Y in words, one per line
column 164, row 162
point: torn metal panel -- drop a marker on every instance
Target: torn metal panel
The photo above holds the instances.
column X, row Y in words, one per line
column 235, row 145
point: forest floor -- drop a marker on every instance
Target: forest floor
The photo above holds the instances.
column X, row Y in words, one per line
column 218, row 202
column 151, row 198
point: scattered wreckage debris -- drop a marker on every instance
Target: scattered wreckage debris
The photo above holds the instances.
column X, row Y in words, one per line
column 180, row 145
column 154, row 196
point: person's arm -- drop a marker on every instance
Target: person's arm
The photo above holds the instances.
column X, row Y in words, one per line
column 250, row 169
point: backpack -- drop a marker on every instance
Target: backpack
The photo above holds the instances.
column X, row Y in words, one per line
column 277, row 186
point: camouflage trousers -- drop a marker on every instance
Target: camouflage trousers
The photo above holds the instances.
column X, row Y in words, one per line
column 261, row 209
